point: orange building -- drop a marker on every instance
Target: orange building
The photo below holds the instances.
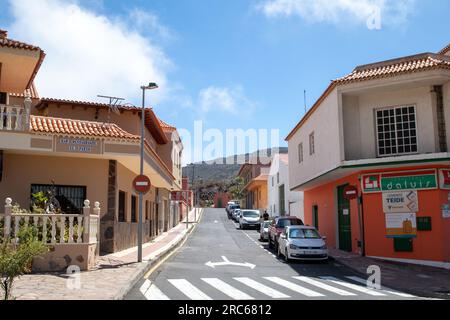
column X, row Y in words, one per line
column 372, row 157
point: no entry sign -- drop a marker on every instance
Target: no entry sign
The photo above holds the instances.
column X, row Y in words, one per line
column 350, row 192
column 142, row 184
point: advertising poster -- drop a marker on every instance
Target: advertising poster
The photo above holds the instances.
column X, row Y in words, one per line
column 398, row 202
column 401, row 225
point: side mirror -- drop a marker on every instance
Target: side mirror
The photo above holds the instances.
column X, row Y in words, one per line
column 324, row 238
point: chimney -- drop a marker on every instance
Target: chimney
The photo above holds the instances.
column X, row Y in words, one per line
column 3, row 34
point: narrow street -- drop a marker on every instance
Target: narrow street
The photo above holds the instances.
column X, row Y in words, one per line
column 221, row 262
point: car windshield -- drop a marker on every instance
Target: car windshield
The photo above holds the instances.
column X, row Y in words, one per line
column 267, row 224
column 235, row 207
column 251, row 214
column 282, row 223
column 304, row 234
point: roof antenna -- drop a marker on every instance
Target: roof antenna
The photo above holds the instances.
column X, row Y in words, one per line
column 304, row 97
column 113, row 105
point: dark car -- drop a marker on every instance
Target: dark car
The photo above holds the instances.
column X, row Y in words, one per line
column 277, row 227
column 230, row 210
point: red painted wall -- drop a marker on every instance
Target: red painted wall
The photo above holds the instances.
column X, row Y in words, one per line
column 429, row 245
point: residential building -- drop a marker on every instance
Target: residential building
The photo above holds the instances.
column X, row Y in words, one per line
column 86, row 150
column 384, row 129
column 283, row 201
column 255, row 174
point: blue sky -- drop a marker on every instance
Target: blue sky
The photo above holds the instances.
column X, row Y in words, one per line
column 235, row 64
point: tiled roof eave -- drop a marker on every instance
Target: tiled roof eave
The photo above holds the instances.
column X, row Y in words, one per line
column 81, row 136
column 343, row 81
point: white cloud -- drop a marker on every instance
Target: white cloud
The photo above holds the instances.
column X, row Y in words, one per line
column 339, row 11
column 229, row 100
column 88, row 53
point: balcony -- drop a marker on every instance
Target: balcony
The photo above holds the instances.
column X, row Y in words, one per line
column 14, row 118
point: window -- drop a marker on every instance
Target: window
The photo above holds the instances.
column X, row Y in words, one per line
column 312, row 150
column 396, row 131
column 2, row 97
column 133, row 209
column 70, row 198
column 122, row 206
column 278, row 177
column 300, row 153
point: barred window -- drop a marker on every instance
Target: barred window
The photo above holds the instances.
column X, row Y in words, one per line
column 70, row 198
column 300, row 153
column 312, row 149
column 396, row 131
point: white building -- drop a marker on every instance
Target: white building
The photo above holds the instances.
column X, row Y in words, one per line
column 282, row 201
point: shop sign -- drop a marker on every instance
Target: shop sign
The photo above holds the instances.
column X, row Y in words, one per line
column 444, row 179
column 400, row 181
column 402, row 201
column 78, row 145
column 401, row 225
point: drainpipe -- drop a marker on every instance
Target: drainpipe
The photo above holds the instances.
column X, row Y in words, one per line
column 361, row 221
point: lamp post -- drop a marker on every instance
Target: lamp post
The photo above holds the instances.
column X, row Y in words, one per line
column 150, row 86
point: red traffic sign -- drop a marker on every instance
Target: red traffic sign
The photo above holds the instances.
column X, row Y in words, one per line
column 142, row 184
column 351, row 192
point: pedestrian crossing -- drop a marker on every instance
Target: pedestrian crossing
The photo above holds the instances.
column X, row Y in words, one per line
column 246, row 288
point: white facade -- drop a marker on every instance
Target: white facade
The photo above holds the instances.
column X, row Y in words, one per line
column 344, row 126
column 279, row 180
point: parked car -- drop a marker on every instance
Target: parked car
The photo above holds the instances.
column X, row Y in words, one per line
column 235, row 214
column 249, row 219
column 302, row 243
column 264, row 230
column 230, row 208
column 277, row 227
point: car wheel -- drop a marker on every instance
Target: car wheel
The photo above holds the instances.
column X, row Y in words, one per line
column 286, row 256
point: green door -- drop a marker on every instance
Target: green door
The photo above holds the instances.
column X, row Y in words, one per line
column 345, row 229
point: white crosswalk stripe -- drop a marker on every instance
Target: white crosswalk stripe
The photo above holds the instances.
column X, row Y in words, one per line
column 151, row 292
column 275, row 294
column 228, row 290
column 387, row 290
column 294, row 287
column 353, row 286
column 189, row 289
column 325, row 286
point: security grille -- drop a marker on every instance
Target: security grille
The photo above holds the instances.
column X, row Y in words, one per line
column 396, row 131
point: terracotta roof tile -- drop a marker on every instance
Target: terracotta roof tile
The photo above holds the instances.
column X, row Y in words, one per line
column 50, row 125
column 5, row 42
column 396, row 67
column 166, row 126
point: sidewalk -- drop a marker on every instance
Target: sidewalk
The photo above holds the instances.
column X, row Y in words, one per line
column 113, row 277
column 419, row 280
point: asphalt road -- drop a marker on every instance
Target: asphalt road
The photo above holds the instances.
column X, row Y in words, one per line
column 262, row 276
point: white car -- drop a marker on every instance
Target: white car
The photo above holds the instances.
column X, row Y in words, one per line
column 235, row 213
column 264, row 230
column 249, row 219
column 302, row 243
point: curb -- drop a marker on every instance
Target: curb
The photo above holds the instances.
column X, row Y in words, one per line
column 149, row 265
column 418, row 293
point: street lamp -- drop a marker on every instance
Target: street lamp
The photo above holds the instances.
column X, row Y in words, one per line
column 151, row 86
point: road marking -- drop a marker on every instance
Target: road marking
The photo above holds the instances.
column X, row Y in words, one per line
column 325, row 286
column 151, row 292
column 294, row 287
column 353, row 286
column 275, row 294
column 189, row 290
column 225, row 288
column 227, row 262
column 385, row 289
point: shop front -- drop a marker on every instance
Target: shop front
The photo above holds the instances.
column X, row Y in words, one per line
column 401, row 214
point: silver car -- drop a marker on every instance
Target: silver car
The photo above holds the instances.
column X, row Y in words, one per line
column 249, row 219
column 302, row 243
column 235, row 213
column 264, row 231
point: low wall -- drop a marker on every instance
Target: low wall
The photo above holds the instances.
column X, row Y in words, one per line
column 62, row 256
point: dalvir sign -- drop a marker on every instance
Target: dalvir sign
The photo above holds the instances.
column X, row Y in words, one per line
column 401, row 225
column 400, row 181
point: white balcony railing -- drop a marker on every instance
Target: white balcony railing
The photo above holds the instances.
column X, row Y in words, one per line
column 12, row 118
